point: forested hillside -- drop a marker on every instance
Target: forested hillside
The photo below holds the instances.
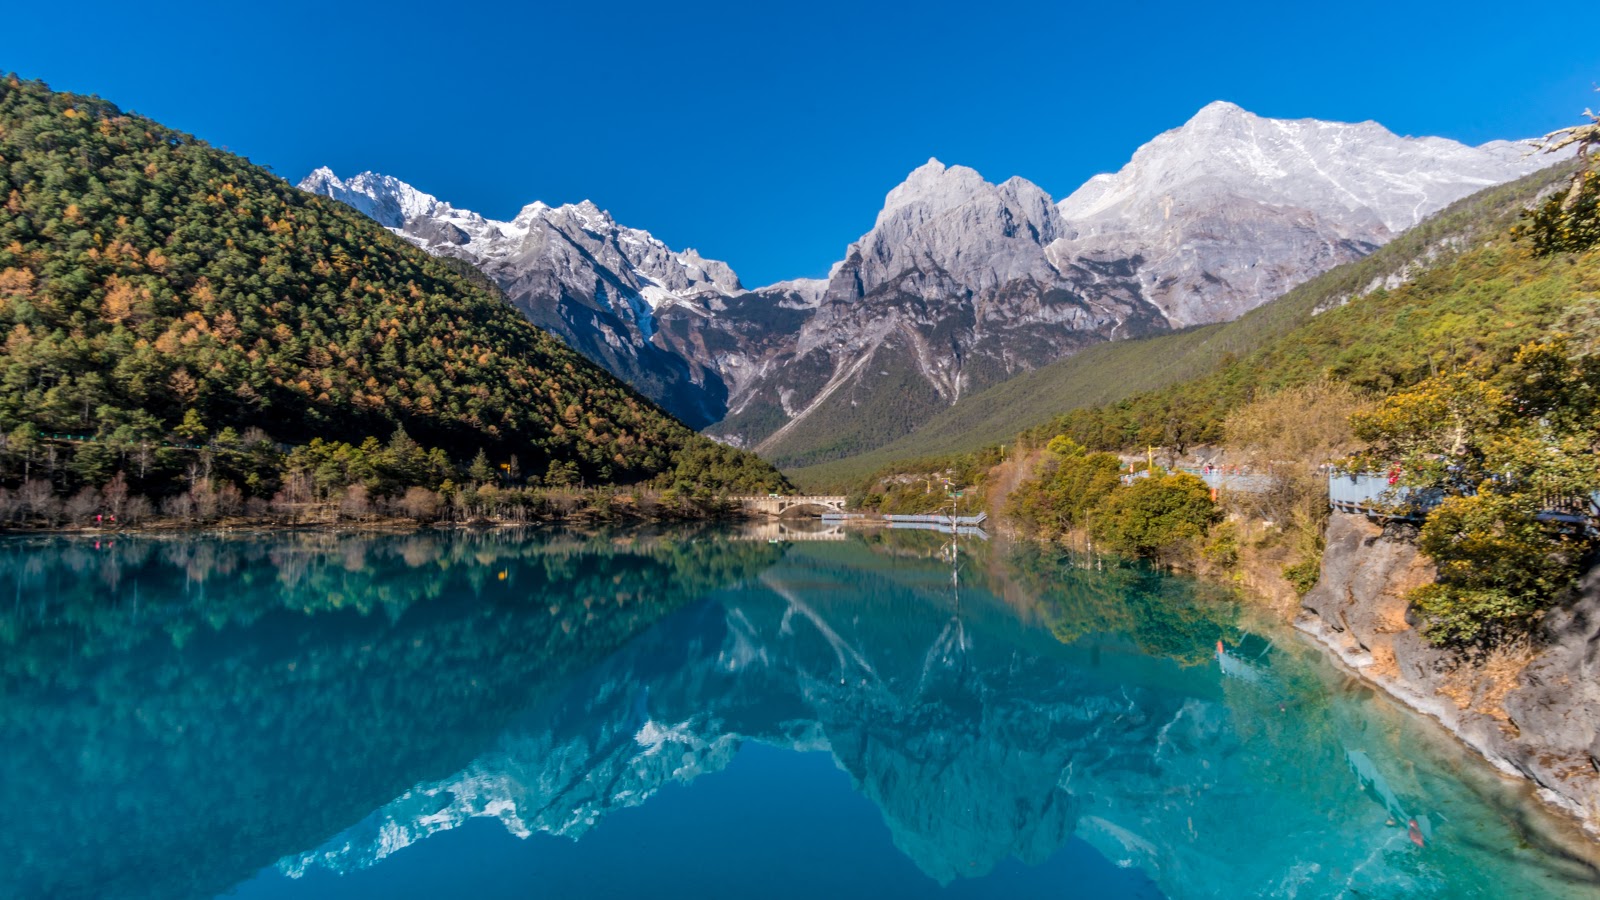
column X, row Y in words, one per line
column 163, row 299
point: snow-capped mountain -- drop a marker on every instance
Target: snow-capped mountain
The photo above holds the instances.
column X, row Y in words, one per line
column 1233, row 209
column 387, row 200
column 573, row 271
column 960, row 283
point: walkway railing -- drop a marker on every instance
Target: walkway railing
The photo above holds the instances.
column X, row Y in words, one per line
column 1370, row 494
column 96, row 439
column 1375, row 496
column 1222, row 478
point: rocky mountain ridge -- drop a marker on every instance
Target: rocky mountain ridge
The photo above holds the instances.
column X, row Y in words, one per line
column 961, row 283
column 571, row 270
column 1233, row 206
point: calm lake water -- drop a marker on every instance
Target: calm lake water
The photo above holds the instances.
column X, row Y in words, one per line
column 690, row 714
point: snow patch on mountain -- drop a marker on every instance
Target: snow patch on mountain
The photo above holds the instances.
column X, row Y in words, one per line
column 1231, row 209
column 650, row 273
column 1329, row 167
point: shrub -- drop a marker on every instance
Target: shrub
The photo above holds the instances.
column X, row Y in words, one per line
column 1499, row 567
column 1303, row 575
column 1155, row 515
column 1223, row 547
column 1069, row 486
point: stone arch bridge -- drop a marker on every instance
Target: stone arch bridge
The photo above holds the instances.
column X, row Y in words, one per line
column 780, row 505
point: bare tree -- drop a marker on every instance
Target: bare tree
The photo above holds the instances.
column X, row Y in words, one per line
column 82, row 505
column 115, row 496
column 1586, row 136
column 138, row 509
column 356, row 503
column 421, row 504
column 39, row 500
column 179, row 506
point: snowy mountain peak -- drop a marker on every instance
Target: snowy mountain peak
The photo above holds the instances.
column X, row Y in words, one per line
column 383, row 197
column 1220, row 110
column 538, row 229
column 1360, row 169
column 935, row 188
column 532, row 210
column 1204, row 203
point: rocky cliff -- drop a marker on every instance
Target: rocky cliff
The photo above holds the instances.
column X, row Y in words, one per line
column 1533, row 712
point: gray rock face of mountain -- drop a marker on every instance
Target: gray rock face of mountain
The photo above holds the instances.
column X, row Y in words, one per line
column 951, row 291
column 960, row 283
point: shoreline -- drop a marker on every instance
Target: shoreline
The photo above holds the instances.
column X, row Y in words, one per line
column 386, row 525
column 1529, row 712
column 1315, row 633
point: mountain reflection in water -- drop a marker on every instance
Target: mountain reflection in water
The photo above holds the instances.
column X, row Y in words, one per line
column 181, row 714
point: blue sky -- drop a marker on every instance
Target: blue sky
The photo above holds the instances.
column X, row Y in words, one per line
column 766, row 132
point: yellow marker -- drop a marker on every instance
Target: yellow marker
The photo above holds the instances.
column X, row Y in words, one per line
column 503, row 574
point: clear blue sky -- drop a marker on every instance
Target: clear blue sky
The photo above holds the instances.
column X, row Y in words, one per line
column 766, row 132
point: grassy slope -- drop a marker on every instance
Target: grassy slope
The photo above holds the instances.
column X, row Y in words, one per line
column 1109, row 373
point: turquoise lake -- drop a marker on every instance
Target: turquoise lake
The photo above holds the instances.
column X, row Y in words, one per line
column 705, row 713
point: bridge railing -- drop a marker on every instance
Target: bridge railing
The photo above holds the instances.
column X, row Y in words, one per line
column 792, row 498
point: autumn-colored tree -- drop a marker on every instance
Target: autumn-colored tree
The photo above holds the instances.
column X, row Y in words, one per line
column 1288, row 437
column 1513, row 449
column 1156, row 515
